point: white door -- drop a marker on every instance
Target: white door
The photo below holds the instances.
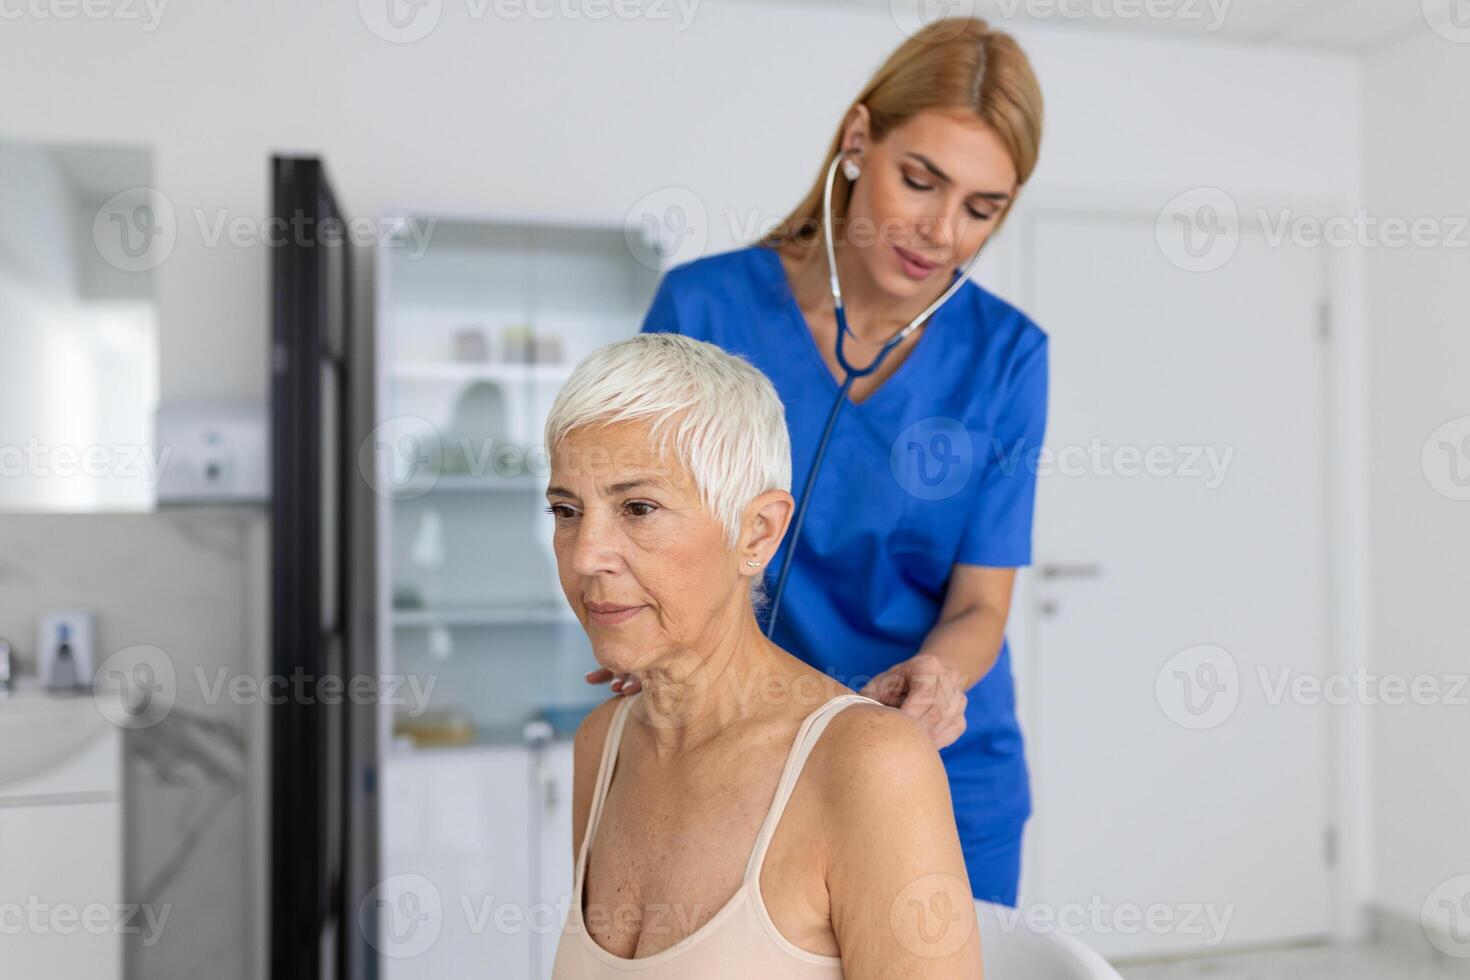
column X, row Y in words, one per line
column 1180, row 573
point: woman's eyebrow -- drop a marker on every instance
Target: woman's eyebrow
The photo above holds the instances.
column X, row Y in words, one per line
column 930, row 166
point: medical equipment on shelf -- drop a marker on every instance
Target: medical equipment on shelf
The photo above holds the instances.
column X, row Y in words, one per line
column 852, row 374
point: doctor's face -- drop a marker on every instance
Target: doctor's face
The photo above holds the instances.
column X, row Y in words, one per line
column 929, row 195
column 642, row 562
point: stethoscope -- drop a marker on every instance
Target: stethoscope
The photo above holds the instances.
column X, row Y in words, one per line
column 852, row 373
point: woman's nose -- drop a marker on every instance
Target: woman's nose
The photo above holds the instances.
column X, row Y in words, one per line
column 593, row 546
column 938, row 231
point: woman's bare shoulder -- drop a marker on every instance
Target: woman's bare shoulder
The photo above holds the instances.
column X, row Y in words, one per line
column 893, row 852
column 868, row 744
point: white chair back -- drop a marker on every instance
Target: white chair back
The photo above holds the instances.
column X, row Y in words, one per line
column 1014, row 951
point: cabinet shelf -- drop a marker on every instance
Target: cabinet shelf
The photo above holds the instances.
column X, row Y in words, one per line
column 530, row 613
column 474, row 483
column 507, row 372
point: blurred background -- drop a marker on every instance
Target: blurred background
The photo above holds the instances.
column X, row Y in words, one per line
column 287, row 289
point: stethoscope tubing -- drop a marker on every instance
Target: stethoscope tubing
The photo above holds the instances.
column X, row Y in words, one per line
column 849, row 371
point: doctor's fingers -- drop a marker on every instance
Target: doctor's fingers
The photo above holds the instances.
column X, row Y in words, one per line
column 950, row 733
column 934, row 702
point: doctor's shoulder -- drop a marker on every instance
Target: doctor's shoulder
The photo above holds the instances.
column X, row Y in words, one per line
column 1006, row 347
column 694, row 297
column 1002, row 320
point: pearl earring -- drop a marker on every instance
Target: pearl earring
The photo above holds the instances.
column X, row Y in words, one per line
column 850, row 169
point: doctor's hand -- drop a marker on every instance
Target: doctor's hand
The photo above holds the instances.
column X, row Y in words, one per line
column 928, row 689
column 629, row 683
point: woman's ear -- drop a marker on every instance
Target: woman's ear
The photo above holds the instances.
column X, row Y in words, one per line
column 855, row 129
column 764, row 525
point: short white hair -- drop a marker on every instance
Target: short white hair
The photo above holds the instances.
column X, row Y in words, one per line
column 731, row 427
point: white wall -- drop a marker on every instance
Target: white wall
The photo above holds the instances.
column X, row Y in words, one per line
column 77, row 348
column 1417, row 148
column 587, row 117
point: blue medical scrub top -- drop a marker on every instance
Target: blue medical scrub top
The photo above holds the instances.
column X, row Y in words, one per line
column 937, row 466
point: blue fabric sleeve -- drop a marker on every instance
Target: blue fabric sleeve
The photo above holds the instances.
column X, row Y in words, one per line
column 662, row 315
column 998, row 531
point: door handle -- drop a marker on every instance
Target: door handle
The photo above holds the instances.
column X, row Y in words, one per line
column 1075, row 570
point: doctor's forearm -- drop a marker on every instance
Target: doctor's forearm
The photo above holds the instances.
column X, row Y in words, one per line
column 969, row 641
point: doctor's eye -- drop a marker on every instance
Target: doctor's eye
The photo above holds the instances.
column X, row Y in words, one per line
column 559, row 511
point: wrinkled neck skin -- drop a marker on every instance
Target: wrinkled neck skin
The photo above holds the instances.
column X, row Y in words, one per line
column 704, row 686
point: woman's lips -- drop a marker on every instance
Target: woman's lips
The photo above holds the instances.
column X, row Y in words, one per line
column 613, row 618
column 913, row 266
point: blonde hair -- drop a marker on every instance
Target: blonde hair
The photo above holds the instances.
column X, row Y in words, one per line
column 957, row 63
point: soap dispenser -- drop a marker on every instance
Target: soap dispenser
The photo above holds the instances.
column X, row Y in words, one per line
column 64, row 650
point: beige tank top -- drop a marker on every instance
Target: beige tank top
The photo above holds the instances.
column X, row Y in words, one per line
column 740, row 941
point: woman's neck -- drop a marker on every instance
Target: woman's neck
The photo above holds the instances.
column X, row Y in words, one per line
column 709, row 685
column 872, row 314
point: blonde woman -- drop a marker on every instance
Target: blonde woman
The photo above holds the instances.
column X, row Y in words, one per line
column 743, row 815
column 900, row 584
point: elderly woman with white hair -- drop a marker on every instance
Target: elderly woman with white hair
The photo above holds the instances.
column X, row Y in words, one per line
column 743, row 814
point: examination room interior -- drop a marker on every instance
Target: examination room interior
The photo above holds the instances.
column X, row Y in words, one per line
column 1239, row 670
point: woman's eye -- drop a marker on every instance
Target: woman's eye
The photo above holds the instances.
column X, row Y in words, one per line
column 915, row 184
column 639, row 503
column 558, row 510
column 981, row 217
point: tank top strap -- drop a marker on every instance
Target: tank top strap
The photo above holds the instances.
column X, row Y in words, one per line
column 806, row 737
column 605, row 768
